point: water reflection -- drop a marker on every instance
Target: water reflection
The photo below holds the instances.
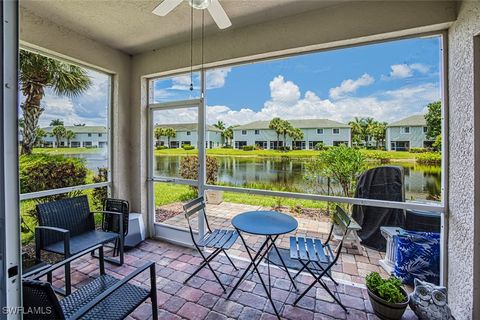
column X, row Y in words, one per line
column 287, row 174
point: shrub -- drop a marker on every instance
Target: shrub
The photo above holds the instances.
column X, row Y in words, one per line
column 286, row 148
column 161, row 147
column 438, row 143
column 187, row 147
column 248, row 148
column 227, row 147
column 379, row 156
column 100, row 194
column 189, row 168
column 342, row 164
column 320, row 146
column 417, row 150
column 40, row 172
column 429, row 158
column 387, row 289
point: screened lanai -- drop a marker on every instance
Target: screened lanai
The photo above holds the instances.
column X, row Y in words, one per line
column 179, row 107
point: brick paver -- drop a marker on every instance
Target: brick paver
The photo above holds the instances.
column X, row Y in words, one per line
column 203, row 298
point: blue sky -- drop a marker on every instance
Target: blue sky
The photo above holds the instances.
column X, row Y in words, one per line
column 386, row 81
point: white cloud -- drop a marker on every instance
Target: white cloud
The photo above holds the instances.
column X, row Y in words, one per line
column 181, row 82
column 216, row 78
column 401, row 71
column 283, row 91
column 350, row 86
column 287, row 102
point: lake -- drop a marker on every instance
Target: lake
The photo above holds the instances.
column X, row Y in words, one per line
column 284, row 173
column 287, row 174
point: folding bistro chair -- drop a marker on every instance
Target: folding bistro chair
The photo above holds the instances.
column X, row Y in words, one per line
column 318, row 258
column 219, row 239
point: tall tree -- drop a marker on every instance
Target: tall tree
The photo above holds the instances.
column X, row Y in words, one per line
column 56, row 122
column 434, row 120
column 276, row 125
column 58, row 132
column 358, row 132
column 38, row 72
column 69, row 135
column 39, row 134
column 378, row 132
column 228, row 135
column 169, row 133
column 296, row 134
column 220, row 125
column 285, row 128
column 158, row 133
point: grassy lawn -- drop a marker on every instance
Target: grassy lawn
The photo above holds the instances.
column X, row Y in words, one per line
column 402, row 155
column 68, row 150
column 166, row 193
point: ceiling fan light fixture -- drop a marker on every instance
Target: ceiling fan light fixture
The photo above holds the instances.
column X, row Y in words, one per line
column 199, row 4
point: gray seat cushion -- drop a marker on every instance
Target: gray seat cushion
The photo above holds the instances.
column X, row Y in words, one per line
column 83, row 241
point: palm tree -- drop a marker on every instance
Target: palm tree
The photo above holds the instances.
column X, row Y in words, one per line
column 56, row 122
column 39, row 135
column 58, row 132
column 158, row 133
column 69, row 135
column 169, row 133
column 276, row 125
column 228, row 135
column 359, row 128
column 296, row 134
column 38, row 72
column 285, row 128
column 220, row 125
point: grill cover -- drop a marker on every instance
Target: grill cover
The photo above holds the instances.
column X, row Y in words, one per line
column 382, row 183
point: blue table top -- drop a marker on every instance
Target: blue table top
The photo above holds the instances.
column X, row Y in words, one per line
column 264, row 222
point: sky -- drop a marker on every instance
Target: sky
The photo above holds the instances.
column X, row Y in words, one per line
column 387, row 81
column 89, row 108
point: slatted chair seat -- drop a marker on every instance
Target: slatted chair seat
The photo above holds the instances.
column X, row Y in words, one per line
column 82, row 241
column 222, row 239
column 317, row 257
column 219, row 239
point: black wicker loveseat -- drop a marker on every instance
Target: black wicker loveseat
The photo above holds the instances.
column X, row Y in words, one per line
column 105, row 297
column 67, row 226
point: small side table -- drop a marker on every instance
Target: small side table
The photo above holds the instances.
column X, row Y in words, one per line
column 136, row 230
column 388, row 264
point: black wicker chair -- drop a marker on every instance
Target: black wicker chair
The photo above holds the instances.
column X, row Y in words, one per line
column 67, row 227
column 105, row 297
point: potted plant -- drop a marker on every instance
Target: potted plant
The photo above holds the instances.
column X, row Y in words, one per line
column 389, row 300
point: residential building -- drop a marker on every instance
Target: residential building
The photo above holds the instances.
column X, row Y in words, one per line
column 186, row 133
column 408, row 133
column 328, row 132
column 85, row 137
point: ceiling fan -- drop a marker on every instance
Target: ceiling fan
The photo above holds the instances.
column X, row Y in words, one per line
column 213, row 6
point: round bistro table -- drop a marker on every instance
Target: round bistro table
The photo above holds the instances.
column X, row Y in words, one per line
column 270, row 224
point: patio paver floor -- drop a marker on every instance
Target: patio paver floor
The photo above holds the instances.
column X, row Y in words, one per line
column 352, row 266
column 203, row 298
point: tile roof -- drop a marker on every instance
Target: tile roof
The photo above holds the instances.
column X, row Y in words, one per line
column 186, row 127
column 81, row 129
column 301, row 124
column 413, row 121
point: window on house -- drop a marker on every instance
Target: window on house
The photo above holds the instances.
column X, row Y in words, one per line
column 188, row 133
column 100, row 135
column 89, row 134
column 406, row 129
column 319, row 131
column 336, row 131
column 425, row 129
column 244, row 132
column 257, row 131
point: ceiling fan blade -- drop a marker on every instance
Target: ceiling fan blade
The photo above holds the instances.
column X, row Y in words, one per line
column 219, row 15
column 165, row 7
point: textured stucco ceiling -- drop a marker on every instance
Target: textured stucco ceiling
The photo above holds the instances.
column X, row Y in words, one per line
column 130, row 26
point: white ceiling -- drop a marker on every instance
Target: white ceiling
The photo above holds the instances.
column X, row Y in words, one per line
column 130, row 26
